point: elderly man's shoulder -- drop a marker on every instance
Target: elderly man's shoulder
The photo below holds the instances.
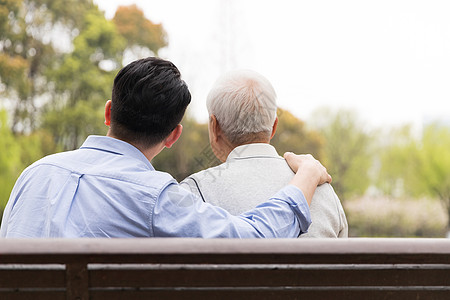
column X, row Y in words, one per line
column 206, row 175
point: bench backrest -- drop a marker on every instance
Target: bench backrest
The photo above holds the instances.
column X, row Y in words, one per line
column 224, row 269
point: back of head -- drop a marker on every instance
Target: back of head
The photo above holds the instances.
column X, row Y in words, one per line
column 244, row 103
column 149, row 99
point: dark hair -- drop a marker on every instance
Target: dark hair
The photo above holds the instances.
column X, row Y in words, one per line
column 148, row 101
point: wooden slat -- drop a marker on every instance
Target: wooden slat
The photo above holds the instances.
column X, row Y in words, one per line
column 28, row 278
column 272, row 294
column 36, row 294
column 267, row 277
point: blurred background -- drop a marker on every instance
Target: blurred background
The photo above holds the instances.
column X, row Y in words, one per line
column 363, row 86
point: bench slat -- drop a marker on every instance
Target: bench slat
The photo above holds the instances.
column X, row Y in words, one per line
column 36, row 294
column 266, row 277
column 25, row 278
column 268, row 294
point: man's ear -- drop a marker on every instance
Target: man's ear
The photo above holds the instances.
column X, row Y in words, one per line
column 173, row 136
column 108, row 113
column 274, row 127
column 215, row 128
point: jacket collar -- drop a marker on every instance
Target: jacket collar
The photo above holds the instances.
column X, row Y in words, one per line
column 253, row 150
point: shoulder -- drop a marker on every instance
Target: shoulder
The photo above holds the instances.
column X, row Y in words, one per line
column 326, row 201
column 198, row 181
column 326, row 191
column 46, row 163
column 206, row 175
column 117, row 168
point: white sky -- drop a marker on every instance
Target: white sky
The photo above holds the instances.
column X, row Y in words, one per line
column 388, row 59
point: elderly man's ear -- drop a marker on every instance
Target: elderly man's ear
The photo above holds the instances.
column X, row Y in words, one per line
column 274, row 127
column 214, row 127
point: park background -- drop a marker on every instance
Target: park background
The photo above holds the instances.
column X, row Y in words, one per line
column 363, row 86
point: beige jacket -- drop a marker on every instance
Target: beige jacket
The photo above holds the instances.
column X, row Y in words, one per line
column 255, row 172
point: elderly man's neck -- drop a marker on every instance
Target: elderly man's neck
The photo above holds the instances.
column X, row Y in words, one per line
column 252, row 138
column 224, row 147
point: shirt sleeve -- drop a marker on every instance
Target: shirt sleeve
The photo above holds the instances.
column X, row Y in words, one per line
column 180, row 213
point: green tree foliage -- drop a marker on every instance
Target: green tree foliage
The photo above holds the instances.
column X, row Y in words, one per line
column 28, row 48
column 434, row 164
column 17, row 153
column 292, row 135
column 83, row 80
column 8, row 8
column 82, row 83
column 397, row 160
column 138, row 30
column 9, row 159
column 347, row 151
column 421, row 165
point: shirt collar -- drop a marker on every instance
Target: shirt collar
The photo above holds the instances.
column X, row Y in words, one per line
column 116, row 146
column 253, row 150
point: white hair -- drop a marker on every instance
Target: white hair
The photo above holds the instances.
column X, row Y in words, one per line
column 244, row 102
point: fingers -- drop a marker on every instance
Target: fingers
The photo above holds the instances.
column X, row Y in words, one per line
column 294, row 161
column 326, row 177
column 307, row 163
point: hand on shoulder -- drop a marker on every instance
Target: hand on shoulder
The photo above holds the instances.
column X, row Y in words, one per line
column 309, row 173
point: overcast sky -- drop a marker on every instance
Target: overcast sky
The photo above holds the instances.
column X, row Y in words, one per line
column 388, row 60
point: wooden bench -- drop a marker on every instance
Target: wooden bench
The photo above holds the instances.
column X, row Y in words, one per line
column 224, row 269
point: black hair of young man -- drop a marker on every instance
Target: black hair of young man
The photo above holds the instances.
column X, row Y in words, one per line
column 149, row 99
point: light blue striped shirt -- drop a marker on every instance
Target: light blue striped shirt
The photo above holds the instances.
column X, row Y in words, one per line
column 108, row 188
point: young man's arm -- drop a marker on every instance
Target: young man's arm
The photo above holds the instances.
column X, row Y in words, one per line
column 179, row 213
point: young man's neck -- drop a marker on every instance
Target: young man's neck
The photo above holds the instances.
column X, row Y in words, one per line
column 149, row 152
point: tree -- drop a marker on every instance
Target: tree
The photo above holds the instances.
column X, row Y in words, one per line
column 18, row 152
column 347, row 151
column 397, row 161
column 138, row 30
column 433, row 168
column 83, row 80
column 421, row 164
column 292, row 135
column 9, row 159
column 82, row 84
column 28, row 49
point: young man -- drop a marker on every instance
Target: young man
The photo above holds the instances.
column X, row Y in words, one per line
column 108, row 187
column 243, row 119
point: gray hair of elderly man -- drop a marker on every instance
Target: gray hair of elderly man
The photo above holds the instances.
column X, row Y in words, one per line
column 244, row 103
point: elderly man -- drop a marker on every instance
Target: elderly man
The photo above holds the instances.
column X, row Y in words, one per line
column 242, row 109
